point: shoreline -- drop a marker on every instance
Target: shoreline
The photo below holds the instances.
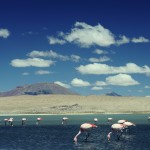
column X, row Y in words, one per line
column 70, row 114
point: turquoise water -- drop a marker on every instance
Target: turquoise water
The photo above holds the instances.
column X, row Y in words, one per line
column 52, row 135
column 78, row 119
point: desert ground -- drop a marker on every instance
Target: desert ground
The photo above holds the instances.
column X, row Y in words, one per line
column 73, row 104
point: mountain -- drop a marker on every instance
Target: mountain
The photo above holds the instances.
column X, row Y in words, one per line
column 37, row 89
column 112, row 94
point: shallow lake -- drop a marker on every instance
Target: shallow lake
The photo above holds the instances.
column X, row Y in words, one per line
column 51, row 134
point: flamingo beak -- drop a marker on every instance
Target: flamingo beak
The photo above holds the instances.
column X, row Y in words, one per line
column 94, row 126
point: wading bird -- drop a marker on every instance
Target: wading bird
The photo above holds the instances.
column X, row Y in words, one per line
column 10, row 120
column 64, row 120
column 85, row 128
column 116, row 129
column 122, row 121
column 23, row 121
column 148, row 119
column 95, row 120
column 128, row 125
column 110, row 119
column 38, row 121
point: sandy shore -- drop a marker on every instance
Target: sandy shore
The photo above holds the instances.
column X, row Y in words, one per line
column 73, row 104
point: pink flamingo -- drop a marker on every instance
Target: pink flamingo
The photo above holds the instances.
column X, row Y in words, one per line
column 10, row 120
column 95, row 120
column 110, row 119
column 116, row 128
column 23, row 121
column 128, row 125
column 122, row 121
column 64, row 120
column 38, row 121
column 85, row 128
column 149, row 119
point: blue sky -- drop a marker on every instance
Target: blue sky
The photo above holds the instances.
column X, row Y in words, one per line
column 90, row 47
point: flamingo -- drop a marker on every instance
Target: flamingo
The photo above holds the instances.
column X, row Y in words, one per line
column 128, row 125
column 116, row 128
column 64, row 120
column 85, row 128
column 149, row 119
column 23, row 121
column 38, row 121
column 10, row 120
column 110, row 119
column 95, row 120
column 122, row 121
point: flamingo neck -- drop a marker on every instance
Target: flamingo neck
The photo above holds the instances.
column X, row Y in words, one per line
column 109, row 135
column 75, row 138
column 94, row 126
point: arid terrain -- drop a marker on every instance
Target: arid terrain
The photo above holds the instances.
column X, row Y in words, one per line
column 73, row 104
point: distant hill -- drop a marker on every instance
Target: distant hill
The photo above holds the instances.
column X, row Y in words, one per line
column 37, row 89
column 112, row 94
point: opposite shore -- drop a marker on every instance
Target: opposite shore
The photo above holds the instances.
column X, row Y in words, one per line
column 73, row 105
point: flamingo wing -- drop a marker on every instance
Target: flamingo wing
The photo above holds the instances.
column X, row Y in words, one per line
column 117, row 126
column 129, row 124
column 87, row 126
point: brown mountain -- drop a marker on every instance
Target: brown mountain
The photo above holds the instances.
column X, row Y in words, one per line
column 112, row 94
column 37, row 89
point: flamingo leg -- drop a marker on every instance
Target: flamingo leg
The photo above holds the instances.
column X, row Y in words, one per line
column 11, row 124
column 119, row 135
column 22, row 123
column 87, row 135
column 129, row 130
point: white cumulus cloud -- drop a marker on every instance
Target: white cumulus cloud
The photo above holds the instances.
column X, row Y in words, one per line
column 79, row 83
column 4, row 33
column 147, row 87
column 62, row 84
column 85, row 35
column 53, row 40
column 99, row 51
column 25, row 73
column 50, row 54
column 75, row 58
column 97, row 88
column 140, row 40
column 100, row 83
column 34, row 62
column 100, row 59
column 98, row 68
column 123, row 40
column 121, row 80
column 42, row 72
